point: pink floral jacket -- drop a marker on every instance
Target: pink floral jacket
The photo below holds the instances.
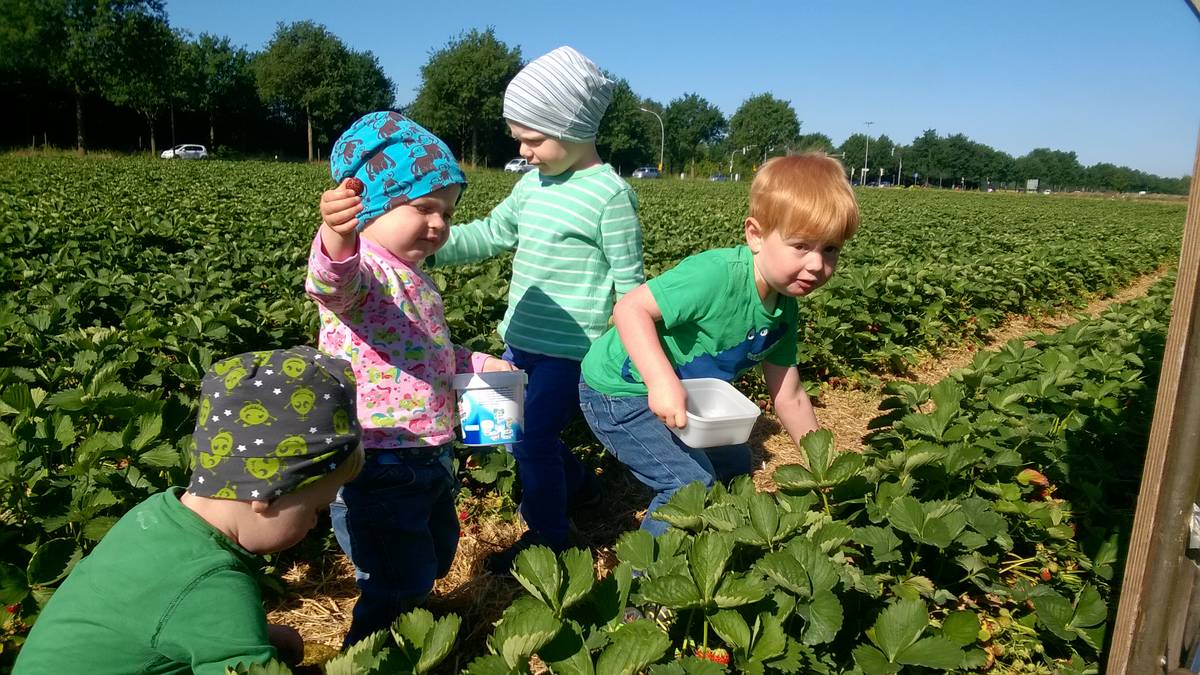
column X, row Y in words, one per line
column 385, row 317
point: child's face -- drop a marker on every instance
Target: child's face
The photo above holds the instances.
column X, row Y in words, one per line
column 416, row 230
column 550, row 155
column 790, row 264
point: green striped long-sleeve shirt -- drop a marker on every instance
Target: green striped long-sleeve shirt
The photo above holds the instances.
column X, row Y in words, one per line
column 578, row 249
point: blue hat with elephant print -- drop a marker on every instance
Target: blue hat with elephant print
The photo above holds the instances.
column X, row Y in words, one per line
column 397, row 160
column 272, row 422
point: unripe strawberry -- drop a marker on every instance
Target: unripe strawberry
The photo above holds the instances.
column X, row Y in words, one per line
column 355, row 185
column 1032, row 477
column 715, row 655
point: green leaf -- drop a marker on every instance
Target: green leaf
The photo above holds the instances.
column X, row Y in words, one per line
column 14, row 585
column 706, row 560
column 673, row 591
column 738, row 591
column 52, row 561
column 961, row 628
column 149, row 426
column 1055, row 612
column 764, row 515
column 795, row 478
column 634, row 646
column 824, row 616
column 525, row 627
column 439, row 642
column 636, row 548
column 1090, row 609
column 899, row 625
column 818, row 446
column 161, row 456
column 783, row 568
column 96, row 528
column 685, row 508
column 732, row 628
column 769, row 641
column 932, row 652
column 580, row 576
column 873, row 662
column 536, row 568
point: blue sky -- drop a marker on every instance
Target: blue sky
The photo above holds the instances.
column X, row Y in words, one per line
column 1113, row 80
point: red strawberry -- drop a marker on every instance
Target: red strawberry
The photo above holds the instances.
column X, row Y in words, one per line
column 1046, row 574
column 463, row 515
column 1032, row 477
column 12, row 609
column 355, row 185
column 715, row 655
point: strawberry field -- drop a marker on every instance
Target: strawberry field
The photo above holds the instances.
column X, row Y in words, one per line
column 980, row 530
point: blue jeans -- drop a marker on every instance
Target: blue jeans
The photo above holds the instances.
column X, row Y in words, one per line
column 657, row 458
column 396, row 522
column 550, row 473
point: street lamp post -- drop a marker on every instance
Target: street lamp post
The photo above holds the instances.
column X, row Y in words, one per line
column 662, row 137
column 866, row 153
column 742, row 150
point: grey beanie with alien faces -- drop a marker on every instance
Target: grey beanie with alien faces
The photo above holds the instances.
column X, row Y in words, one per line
column 272, row 422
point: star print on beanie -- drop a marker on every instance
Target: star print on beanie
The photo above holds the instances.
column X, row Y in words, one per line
column 272, row 422
column 561, row 94
column 397, row 160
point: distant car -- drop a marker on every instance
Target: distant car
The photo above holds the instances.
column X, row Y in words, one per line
column 186, row 151
column 718, row 178
column 645, row 172
column 518, row 165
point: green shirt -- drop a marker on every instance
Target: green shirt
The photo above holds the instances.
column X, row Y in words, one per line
column 163, row 592
column 578, row 249
column 713, row 325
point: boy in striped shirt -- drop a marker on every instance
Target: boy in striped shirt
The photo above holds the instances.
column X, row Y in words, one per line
column 578, row 242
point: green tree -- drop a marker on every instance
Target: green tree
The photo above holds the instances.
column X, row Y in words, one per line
column 309, row 74
column 78, row 46
column 461, row 96
column 766, row 124
column 814, row 142
column 140, row 58
column 628, row 137
column 691, row 124
column 217, row 79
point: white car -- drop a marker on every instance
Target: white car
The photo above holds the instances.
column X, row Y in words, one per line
column 518, row 165
column 186, row 151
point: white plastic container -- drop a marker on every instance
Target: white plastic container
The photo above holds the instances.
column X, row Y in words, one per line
column 491, row 407
column 718, row 414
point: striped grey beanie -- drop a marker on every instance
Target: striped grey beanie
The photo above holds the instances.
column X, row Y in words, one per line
column 561, row 94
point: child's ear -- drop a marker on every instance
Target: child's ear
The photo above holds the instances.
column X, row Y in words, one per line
column 754, row 235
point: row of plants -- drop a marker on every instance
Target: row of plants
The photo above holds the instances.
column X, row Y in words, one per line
column 980, row 530
column 123, row 280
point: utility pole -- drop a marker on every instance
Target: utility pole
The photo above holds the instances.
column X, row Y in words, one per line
column 866, row 153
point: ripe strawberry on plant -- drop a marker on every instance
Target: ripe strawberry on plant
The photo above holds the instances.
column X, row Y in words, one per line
column 355, row 185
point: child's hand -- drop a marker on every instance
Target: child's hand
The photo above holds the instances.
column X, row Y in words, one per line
column 668, row 401
column 493, row 364
column 339, row 209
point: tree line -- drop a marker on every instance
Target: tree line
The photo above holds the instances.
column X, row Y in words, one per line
column 113, row 74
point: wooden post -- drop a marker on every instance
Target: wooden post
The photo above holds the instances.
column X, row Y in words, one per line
column 1155, row 585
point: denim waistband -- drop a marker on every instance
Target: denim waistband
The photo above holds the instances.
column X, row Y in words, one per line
column 398, row 455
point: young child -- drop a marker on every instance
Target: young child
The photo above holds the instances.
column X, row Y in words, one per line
column 171, row 588
column 382, row 313
column 578, row 242
column 717, row 314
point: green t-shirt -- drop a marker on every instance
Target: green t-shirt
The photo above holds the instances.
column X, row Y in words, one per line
column 164, row 592
column 713, row 325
